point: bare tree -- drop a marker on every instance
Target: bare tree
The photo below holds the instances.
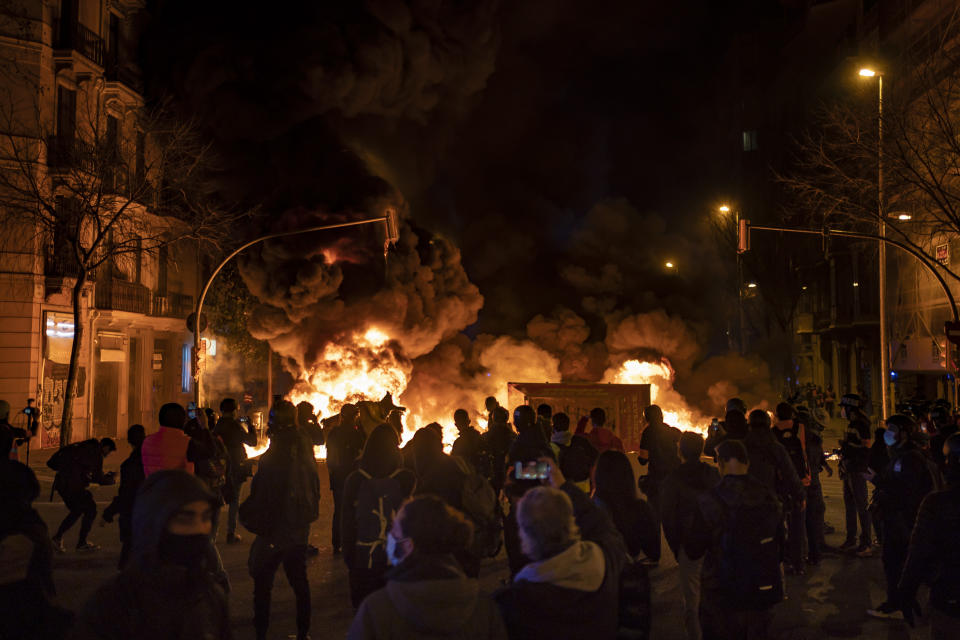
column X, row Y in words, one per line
column 100, row 186
column 834, row 179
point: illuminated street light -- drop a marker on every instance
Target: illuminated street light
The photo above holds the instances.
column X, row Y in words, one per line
column 668, row 265
column 751, row 285
column 867, row 73
column 856, row 284
column 904, row 216
column 724, row 209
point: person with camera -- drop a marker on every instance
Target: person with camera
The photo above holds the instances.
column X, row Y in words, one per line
column 427, row 594
column 235, row 433
column 854, row 463
column 570, row 586
column 934, row 552
column 902, row 486
column 10, row 436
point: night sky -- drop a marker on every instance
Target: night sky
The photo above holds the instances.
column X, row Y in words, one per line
column 568, row 148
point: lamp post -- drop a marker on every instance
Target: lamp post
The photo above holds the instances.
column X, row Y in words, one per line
column 724, row 209
column 881, row 251
column 390, row 220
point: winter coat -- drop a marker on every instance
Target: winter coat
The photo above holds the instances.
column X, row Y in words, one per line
column 573, row 594
column 427, row 596
column 405, row 479
column 131, row 477
column 906, row 481
column 166, row 449
column 934, row 555
column 496, row 443
column 559, row 441
column 679, row 493
column 287, row 477
column 600, row 437
column 468, row 446
column 638, row 525
column 660, row 443
column 150, row 599
column 732, row 492
column 770, row 464
column 854, row 453
column 344, row 445
column 82, row 463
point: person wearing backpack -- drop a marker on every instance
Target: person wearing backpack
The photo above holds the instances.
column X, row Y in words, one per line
column 77, row 465
column 371, row 497
column 739, row 533
column 902, row 486
column 468, row 444
column 679, row 495
column 131, row 477
column 284, row 500
column 344, row 442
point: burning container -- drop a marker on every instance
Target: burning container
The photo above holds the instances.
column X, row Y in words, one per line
column 624, row 403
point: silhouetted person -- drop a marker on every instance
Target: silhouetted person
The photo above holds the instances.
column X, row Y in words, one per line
column 80, row 464
column 235, row 435
column 854, row 464
column 468, row 444
column 529, row 435
column 600, row 437
column 561, row 436
column 344, row 443
column 167, row 448
column 131, row 477
column 545, row 419
column 658, row 448
column 497, row 441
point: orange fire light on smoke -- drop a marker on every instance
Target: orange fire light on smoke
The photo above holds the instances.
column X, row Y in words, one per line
column 660, row 376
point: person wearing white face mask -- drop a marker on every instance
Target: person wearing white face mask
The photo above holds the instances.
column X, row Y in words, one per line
column 427, row 594
column 902, row 486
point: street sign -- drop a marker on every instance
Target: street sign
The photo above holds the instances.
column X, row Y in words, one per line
column 192, row 318
column 952, row 329
column 943, row 254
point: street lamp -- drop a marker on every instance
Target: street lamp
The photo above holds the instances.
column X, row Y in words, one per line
column 389, row 219
column 668, row 264
column 867, row 72
column 724, row 209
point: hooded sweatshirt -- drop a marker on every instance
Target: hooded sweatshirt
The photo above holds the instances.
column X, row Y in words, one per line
column 139, row 601
column 427, row 596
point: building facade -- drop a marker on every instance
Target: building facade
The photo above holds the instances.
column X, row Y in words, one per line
column 67, row 63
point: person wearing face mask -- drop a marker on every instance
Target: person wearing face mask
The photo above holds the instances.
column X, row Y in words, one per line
column 934, row 552
column 902, row 486
column 427, row 595
column 168, row 589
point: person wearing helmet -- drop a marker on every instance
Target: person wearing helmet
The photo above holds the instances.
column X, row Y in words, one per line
column 935, row 551
column 854, row 462
column 902, row 486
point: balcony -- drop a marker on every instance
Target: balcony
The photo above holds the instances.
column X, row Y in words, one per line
column 174, row 305
column 119, row 70
column 75, row 36
column 118, row 295
column 67, row 152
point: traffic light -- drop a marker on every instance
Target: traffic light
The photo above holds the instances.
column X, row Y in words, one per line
column 942, row 351
column 743, row 236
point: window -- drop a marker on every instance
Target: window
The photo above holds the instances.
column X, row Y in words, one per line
column 113, row 134
column 185, row 376
column 141, row 159
column 750, row 140
column 66, row 117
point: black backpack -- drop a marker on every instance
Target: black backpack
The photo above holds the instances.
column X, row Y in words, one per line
column 751, row 544
column 481, row 504
column 378, row 500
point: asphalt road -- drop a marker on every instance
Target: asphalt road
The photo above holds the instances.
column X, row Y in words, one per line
column 829, row 602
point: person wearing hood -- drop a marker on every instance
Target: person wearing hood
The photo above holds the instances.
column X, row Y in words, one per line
column 902, row 486
column 286, row 490
column 934, row 552
column 770, row 463
column 571, row 586
column 168, row 589
column 739, row 533
column 78, row 465
column 427, row 595
column 371, row 497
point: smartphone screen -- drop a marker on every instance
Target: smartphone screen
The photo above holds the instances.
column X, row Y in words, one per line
column 530, row 471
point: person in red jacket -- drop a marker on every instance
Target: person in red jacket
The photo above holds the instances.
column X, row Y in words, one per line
column 599, row 436
column 167, row 448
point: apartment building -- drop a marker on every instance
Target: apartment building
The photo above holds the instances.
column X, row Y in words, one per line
column 70, row 72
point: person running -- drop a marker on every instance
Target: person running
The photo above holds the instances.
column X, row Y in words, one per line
column 235, row 434
column 131, row 477
column 427, row 594
column 167, row 590
column 77, row 466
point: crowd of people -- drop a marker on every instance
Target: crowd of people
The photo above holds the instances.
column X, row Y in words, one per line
column 413, row 524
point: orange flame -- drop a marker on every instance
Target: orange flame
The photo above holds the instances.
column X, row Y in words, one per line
column 660, row 377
